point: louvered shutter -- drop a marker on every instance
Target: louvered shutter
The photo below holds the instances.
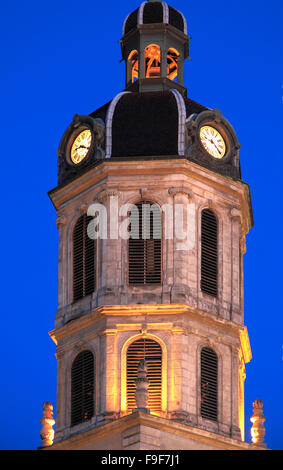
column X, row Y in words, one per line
column 150, row 351
column 82, row 388
column 84, row 260
column 209, row 253
column 209, row 384
column 144, row 249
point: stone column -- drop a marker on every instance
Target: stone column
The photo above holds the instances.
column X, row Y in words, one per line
column 128, row 71
column 141, row 58
column 163, row 53
column 180, row 78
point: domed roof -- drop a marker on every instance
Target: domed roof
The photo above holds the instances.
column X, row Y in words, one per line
column 137, row 125
column 155, row 12
column 147, row 124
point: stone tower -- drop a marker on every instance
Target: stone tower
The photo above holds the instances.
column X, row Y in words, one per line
column 152, row 219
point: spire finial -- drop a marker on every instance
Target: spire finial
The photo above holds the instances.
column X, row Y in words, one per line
column 142, row 384
column 47, row 422
column 258, row 429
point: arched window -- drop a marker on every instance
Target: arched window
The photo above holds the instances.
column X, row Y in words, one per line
column 84, row 259
column 152, row 58
column 82, row 388
column 150, row 350
column 144, row 248
column 172, row 63
column 209, row 384
column 133, row 59
column 209, row 253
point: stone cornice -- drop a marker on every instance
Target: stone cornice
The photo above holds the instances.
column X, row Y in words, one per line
column 108, row 170
column 245, row 344
column 92, row 318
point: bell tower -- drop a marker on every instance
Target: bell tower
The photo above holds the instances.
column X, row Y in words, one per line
column 152, row 219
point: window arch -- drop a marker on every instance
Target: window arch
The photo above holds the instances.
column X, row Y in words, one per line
column 152, row 59
column 84, row 259
column 209, row 384
column 151, row 351
column 133, row 59
column 82, row 387
column 209, row 253
column 172, row 63
column 144, row 246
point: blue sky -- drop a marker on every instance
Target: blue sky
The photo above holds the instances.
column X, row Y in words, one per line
column 61, row 58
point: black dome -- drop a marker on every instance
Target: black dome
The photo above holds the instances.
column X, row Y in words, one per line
column 147, row 124
column 155, row 12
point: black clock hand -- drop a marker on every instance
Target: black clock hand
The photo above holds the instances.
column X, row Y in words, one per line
column 217, row 148
column 212, row 141
column 81, row 147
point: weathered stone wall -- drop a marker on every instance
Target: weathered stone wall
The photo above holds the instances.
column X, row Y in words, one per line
column 180, row 267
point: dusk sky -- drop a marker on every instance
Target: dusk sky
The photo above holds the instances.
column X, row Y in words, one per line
column 62, row 58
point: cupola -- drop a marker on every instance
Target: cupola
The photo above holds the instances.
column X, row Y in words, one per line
column 155, row 12
column 154, row 47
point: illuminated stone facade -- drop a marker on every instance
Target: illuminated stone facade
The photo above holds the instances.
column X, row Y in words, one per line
column 176, row 313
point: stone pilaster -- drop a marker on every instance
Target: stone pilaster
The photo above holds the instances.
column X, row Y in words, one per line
column 235, row 429
column 109, row 379
column 61, row 223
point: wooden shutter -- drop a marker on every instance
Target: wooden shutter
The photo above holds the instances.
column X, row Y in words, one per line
column 151, row 351
column 82, row 388
column 209, row 253
column 84, row 260
column 144, row 252
column 209, row 384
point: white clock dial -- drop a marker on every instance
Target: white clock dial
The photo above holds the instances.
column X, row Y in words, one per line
column 212, row 141
column 81, row 146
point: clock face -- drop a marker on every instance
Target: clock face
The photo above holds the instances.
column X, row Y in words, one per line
column 81, row 146
column 212, row 141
